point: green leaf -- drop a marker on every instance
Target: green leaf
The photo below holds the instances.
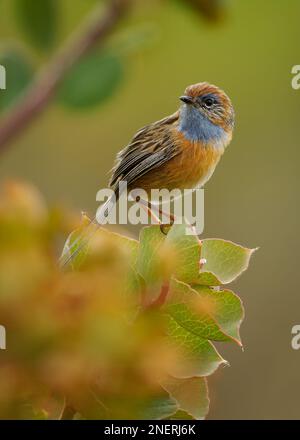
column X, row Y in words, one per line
column 149, row 263
column 208, row 279
column 160, row 255
column 157, row 408
column 190, row 394
column 180, row 415
column 18, row 77
column 133, row 283
column 77, row 244
column 226, row 309
column 187, row 251
column 38, row 21
column 91, row 81
column 88, row 232
column 196, row 356
column 195, row 313
column 224, row 259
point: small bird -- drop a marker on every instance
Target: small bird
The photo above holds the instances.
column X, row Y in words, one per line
column 180, row 151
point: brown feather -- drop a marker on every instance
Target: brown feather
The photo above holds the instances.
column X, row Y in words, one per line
column 151, row 147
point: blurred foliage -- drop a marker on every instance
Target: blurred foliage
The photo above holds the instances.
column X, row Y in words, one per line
column 95, row 78
column 37, row 20
column 165, row 275
column 118, row 336
column 81, row 87
column 126, row 334
column 19, row 74
column 213, row 10
column 67, row 154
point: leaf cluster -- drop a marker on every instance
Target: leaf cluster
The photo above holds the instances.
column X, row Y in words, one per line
column 127, row 333
column 98, row 75
column 183, row 280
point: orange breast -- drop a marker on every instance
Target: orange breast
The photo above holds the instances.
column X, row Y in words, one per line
column 192, row 167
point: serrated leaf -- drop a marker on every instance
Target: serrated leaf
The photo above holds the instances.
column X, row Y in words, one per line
column 187, row 251
column 18, row 77
column 190, row 394
column 194, row 313
column 196, row 356
column 224, row 259
column 38, row 21
column 91, row 81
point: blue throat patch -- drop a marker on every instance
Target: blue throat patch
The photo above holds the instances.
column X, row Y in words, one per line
column 196, row 127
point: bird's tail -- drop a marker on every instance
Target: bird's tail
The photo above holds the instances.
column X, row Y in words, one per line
column 71, row 250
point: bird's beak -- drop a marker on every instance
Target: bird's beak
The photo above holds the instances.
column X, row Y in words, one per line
column 186, row 99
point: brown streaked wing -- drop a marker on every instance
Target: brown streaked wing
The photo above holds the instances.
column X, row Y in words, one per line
column 151, row 146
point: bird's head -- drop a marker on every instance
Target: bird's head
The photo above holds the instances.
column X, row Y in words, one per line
column 211, row 102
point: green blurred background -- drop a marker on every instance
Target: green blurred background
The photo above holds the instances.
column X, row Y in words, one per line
column 252, row 197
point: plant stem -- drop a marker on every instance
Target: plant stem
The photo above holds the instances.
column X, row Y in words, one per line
column 160, row 300
column 42, row 90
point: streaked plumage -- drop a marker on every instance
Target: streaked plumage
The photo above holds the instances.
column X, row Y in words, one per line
column 181, row 150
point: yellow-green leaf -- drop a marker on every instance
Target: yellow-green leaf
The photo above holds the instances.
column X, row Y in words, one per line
column 158, row 408
column 76, row 246
column 196, row 313
column 190, row 394
column 225, row 307
column 224, row 259
column 187, row 250
column 208, row 279
column 196, row 356
column 149, row 263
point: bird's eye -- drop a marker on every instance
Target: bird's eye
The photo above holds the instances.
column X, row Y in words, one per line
column 208, row 102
